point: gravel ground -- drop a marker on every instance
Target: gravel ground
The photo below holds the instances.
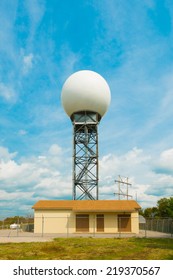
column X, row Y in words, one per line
column 9, row 236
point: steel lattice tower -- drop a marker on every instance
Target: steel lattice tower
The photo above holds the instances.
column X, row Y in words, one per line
column 85, row 155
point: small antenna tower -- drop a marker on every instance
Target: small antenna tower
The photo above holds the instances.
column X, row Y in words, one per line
column 121, row 182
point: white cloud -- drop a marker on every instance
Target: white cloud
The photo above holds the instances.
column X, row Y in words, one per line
column 55, row 150
column 36, row 12
column 27, row 63
column 5, row 155
column 113, row 165
column 54, row 186
column 165, row 162
column 167, row 156
column 167, row 96
column 22, row 132
column 7, row 21
column 44, row 176
column 46, row 115
column 8, row 93
column 48, row 176
column 69, row 59
column 147, row 185
column 15, row 196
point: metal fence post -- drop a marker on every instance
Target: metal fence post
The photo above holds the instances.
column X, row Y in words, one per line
column 67, row 226
column 42, row 225
column 119, row 227
column 146, row 229
column 94, row 223
column 18, row 227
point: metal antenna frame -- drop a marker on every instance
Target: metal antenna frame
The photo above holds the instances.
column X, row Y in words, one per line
column 85, row 155
column 120, row 192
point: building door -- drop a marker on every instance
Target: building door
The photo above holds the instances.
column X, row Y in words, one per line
column 124, row 223
column 82, row 222
column 100, row 223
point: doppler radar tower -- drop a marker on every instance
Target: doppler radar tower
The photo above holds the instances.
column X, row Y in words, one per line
column 85, row 97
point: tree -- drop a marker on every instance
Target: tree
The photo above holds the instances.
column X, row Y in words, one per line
column 150, row 212
column 165, row 207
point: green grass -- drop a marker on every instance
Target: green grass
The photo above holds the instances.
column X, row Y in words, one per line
column 90, row 249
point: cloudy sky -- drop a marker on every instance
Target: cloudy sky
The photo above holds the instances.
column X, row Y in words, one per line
column 42, row 42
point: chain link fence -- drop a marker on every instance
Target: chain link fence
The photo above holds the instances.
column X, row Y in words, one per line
column 155, row 225
column 99, row 228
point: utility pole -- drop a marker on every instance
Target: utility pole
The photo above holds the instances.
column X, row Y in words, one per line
column 120, row 182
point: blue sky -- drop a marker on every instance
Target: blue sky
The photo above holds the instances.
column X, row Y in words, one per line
column 130, row 43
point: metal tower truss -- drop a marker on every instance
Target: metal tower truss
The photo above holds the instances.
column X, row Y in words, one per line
column 85, row 155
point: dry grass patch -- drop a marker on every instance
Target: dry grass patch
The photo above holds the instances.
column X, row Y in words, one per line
column 90, row 249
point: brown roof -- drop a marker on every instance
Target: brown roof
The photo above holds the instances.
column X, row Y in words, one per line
column 88, row 205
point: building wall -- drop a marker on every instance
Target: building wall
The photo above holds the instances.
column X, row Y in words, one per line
column 135, row 222
column 111, row 225
column 53, row 221
column 64, row 221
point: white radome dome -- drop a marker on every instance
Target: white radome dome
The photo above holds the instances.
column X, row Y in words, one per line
column 85, row 91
